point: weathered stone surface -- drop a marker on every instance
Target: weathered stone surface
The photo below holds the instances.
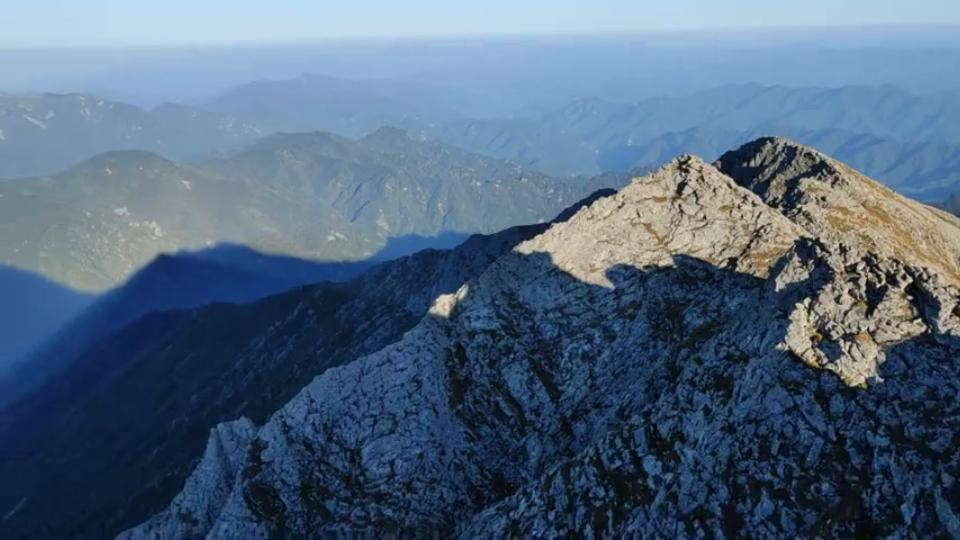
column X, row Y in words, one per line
column 837, row 203
column 194, row 510
column 683, row 359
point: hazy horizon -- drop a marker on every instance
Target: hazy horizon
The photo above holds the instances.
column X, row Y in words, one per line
column 48, row 23
column 479, row 269
column 618, row 66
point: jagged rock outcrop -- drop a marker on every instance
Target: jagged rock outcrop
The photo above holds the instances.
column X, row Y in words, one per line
column 197, row 507
column 686, row 358
column 839, row 204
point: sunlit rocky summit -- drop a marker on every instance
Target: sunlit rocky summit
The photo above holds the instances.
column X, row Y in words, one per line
column 766, row 346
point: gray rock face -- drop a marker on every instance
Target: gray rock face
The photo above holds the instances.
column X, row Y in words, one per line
column 687, row 358
column 197, row 507
column 839, row 204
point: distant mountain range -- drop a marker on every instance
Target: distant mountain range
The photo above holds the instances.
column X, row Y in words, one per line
column 45, row 133
column 314, row 195
column 348, row 107
column 908, row 141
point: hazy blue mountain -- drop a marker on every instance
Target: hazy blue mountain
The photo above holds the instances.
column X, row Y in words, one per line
column 222, row 274
column 31, row 310
column 315, row 196
column 911, row 142
column 344, row 106
column 508, row 74
column 45, row 133
column 925, row 170
column 907, row 140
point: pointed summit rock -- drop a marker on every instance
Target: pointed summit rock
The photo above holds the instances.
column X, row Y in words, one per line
column 836, row 203
column 686, row 208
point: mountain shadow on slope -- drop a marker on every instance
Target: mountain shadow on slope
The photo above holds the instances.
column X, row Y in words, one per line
column 409, row 244
column 226, row 273
column 140, row 403
column 31, row 310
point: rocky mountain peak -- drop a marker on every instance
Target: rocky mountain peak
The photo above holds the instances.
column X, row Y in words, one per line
column 837, row 203
column 710, row 350
column 687, row 207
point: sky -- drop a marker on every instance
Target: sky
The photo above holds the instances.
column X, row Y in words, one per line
column 32, row 23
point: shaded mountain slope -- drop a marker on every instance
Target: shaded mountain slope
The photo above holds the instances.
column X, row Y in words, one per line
column 222, row 274
column 31, row 311
column 348, row 107
column 178, row 373
column 684, row 358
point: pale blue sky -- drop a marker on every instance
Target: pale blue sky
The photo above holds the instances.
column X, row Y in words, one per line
column 71, row 22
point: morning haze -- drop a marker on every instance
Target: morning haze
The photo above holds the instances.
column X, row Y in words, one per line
column 479, row 269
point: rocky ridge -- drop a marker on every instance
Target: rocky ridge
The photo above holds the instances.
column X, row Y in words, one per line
column 179, row 372
column 753, row 347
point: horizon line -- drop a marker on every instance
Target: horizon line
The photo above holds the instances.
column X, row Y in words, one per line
column 534, row 35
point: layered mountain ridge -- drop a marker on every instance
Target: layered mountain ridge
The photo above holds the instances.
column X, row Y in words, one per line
column 766, row 344
column 907, row 141
column 45, row 133
column 311, row 195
